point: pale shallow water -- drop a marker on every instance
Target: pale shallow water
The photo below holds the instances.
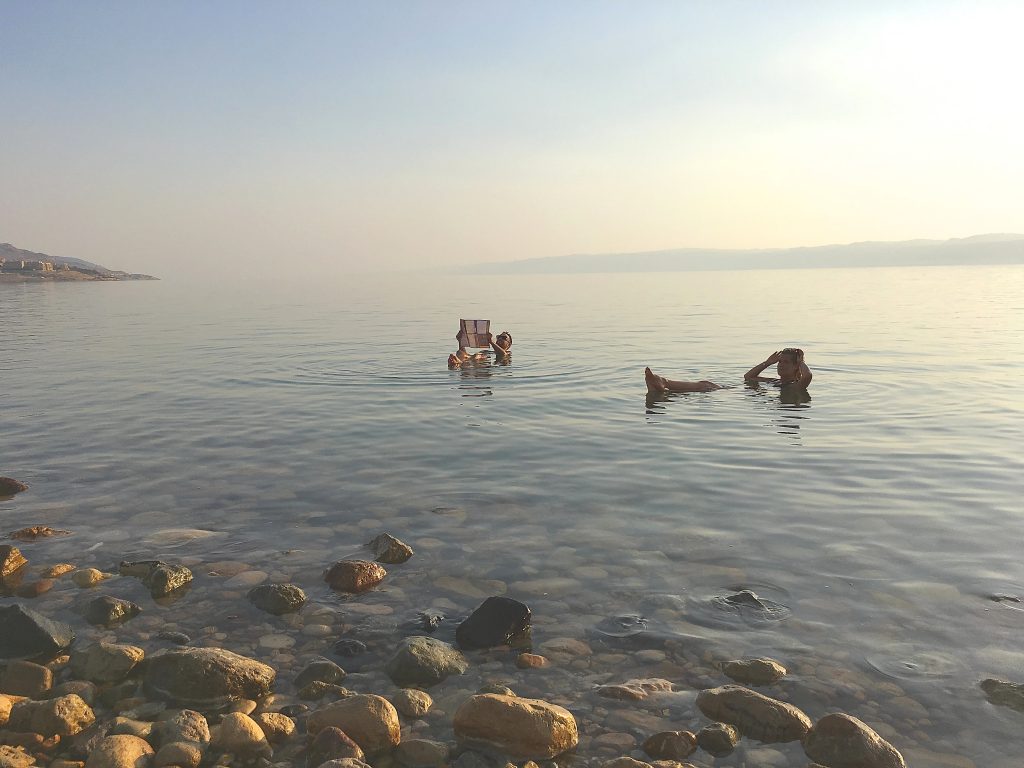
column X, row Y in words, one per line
column 278, row 427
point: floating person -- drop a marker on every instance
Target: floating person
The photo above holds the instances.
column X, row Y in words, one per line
column 501, row 345
column 789, row 362
column 789, row 365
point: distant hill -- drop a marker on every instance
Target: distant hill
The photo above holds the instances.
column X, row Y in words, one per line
column 79, row 268
column 980, row 249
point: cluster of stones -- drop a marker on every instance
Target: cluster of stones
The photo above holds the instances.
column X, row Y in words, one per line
column 107, row 705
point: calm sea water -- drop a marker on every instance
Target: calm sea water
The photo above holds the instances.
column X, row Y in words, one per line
column 277, row 427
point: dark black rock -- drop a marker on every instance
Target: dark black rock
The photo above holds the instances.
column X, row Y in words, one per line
column 294, row 710
column 496, row 622
column 277, row 599
column 348, row 647
column 322, row 670
column 159, row 577
column 106, row 611
column 82, row 744
column 25, row 634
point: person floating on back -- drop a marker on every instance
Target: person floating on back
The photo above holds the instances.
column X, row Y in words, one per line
column 789, row 365
column 501, row 344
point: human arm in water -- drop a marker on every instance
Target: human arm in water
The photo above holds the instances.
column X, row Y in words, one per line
column 790, row 367
column 502, row 345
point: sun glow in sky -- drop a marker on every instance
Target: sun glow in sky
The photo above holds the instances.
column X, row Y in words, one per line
column 349, row 135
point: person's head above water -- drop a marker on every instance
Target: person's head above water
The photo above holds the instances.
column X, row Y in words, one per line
column 504, row 340
column 788, row 366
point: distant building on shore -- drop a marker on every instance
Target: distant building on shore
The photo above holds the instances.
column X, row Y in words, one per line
column 16, row 265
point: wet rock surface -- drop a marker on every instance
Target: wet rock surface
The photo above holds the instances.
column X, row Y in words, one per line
column 842, row 741
column 387, row 549
column 718, row 739
column 106, row 611
column 9, row 486
column 354, row 575
column 206, row 677
column 497, row 621
column 759, row 671
column 24, row 633
column 523, row 728
column 277, row 599
column 1003, row 693
column 159, row 577
column 369, row 720
column 754, row 715
column 424, row 661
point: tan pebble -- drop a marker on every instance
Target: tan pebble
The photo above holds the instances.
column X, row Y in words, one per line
column 58, row 570
column 276, row 727
column 185, row 754
column 88, row 577
column 531, row 661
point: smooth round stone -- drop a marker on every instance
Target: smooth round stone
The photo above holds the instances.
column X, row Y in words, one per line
column 276, row 641
column 317, row 630
column 246, row 579
column 88, row 577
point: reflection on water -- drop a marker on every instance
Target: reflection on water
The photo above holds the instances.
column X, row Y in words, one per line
column 259, row 437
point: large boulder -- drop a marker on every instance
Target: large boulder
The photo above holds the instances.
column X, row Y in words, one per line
column 25, row 634
column 159, row 577
column 206, row 678
column 423, row 661
column 842, row 741
column 370, row 721
column 277, row 599
column 525, row 729
column 496, row 622
column 755, row 715
column 62, row 716
column 354, row 575
column 121, row 751
column 105, row 662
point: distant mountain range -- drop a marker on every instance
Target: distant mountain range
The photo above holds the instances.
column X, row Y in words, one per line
column 79, row 269
column 980, row 249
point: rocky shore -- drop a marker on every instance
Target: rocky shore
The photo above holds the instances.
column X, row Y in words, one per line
column 95, row 675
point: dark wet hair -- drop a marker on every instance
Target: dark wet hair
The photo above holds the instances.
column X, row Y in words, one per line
column 793, row 352
column 506, row 333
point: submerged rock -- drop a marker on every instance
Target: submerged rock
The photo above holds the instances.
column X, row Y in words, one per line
column 387, row 549
column 159, row 577
column 1003, row 693
column 755, row 715
column 25, row 634
column 525, row 729
column 718, row 739
column 37, row 532
column 841, row 741
column 9, row 486
column 495, row 622
column 277, row 599
column 423, row 661
column 106, row 611
column 634, row 690
column 354, row 575
column 671, row 745
column 319, row 670
column 760, row 671
column 206, row 678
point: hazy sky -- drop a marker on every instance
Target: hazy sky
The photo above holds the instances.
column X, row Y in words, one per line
column 348, row 135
